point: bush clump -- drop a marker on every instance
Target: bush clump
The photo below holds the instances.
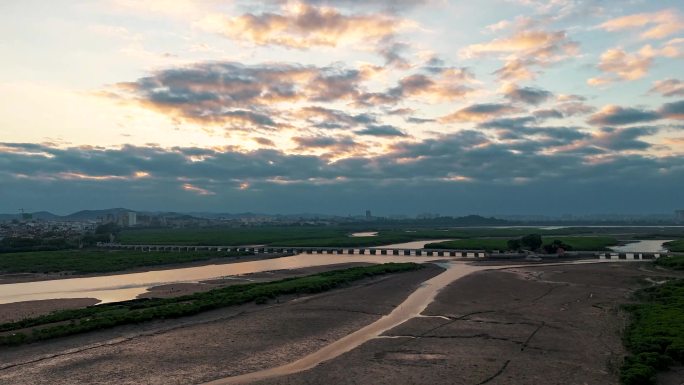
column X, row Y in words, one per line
column 655, row 335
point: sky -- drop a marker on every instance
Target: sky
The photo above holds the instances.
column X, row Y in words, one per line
column 485, row 107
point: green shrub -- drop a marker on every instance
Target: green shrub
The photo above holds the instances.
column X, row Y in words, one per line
column 637, row 374
column 655, row 335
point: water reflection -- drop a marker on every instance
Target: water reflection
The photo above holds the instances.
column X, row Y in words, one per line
column 121, row 287
column 642, row 246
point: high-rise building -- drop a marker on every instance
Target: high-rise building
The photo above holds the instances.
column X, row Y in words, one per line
column 679, row 215
column 127, row 219
column 368, row 214
column 132, row 218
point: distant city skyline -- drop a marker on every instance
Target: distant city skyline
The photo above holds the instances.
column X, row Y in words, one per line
column 495, row 107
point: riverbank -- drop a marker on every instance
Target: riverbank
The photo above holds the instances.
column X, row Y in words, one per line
column 215, row 344
column 530, row 324
column 185, row 288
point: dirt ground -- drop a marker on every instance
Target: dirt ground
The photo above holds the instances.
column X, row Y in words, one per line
column 10, row 312
column 532, row 325
column 210, row 345
column 529, row 325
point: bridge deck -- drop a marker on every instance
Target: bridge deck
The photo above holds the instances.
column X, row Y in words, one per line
column 377, row 250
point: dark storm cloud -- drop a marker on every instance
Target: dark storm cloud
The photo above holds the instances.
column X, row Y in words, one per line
column 508, row 123
column 213, row 91
column 327, row 118
column 674, row 110
column 381, row 130
column 623, row 139
column 332, row 145
column 548, row 114
column 618, row 116
column 394, row 52
column 466, row 165
column 522, row 128
column 415, row 120
column 528, row 95
column 480, row 112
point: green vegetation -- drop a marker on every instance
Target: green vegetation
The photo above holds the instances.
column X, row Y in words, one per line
column 576, row 243
column 674, row 262
column 472, row 244
column 655, row 335
column 68, row 322
column 48, row 242
column 96, row 261
column 675, row 246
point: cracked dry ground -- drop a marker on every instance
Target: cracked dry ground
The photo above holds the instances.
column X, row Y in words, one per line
column 532, row 325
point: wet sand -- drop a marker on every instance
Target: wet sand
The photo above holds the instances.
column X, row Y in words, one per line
column 531, row 325
column 211, row 345
column 17, row 311
column 9, row 278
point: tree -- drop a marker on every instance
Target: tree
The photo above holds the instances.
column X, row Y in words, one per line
column 514, row 244
column 531, row 241
column 557, row 246
column 107, row 228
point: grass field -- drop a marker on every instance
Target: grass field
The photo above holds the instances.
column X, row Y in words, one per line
column 577, row 243
column 674, row 262
column 675, row 246
column 96, row 261
column 68, row 322
column 655, row 335
column 331, row 236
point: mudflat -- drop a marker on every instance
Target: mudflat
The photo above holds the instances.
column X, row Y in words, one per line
column 210, row 345
column 518, row 325
column 10, row 312
column 531, row 325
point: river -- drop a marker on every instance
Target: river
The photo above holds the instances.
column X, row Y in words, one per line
column 642, row 246
column 121, row 287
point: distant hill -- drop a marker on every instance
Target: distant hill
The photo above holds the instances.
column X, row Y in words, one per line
column 85, row 215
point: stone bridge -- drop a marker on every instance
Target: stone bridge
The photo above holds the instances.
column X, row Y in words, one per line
column 371, row 251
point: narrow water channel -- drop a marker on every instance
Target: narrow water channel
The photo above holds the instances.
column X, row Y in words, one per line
column 412, row 307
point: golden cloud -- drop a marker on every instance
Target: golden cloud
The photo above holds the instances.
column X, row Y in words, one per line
column 657, row 25
column 622, row 65
column 302, row 26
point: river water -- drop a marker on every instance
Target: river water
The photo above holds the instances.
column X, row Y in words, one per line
column 643, row 246
column 121, row 287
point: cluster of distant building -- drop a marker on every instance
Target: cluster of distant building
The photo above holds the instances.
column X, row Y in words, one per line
column 29, row 229
column 25, row 226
